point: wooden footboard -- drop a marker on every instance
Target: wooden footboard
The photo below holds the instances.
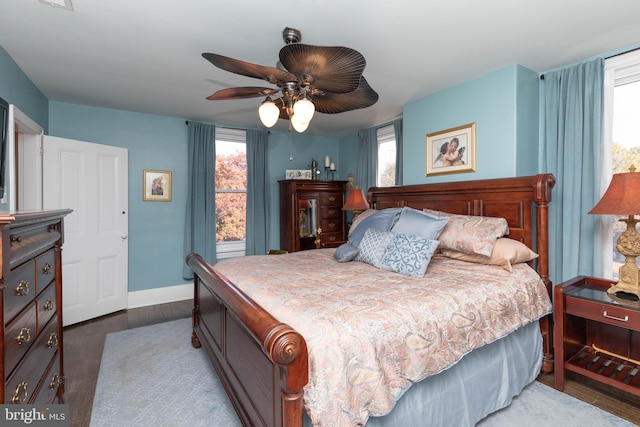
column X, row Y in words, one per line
column 261, row 362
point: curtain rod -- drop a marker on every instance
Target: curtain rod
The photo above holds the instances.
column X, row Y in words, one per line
column 608, row 57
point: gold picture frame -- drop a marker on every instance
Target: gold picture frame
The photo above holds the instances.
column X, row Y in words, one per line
column 156, row 186
column 442, row 158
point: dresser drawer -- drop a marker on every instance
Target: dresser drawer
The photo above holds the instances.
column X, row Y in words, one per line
column 23, row 382
column 19, row 335
column 331, row 199
column 46, row 305
column 20, row 289
column 331, row 225
column 330, row 240
column 330, row 212
column 45, row 269
column 50, row 383
column 605, row 313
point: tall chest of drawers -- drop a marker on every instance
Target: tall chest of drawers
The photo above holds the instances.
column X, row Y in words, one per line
column 309, row 205
column 32, row 362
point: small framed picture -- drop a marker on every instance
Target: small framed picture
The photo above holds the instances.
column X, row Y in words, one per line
column 452, row 150
column 297, row 174
column 156, row 186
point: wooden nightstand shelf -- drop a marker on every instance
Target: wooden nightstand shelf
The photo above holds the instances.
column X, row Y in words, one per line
column 586, row 316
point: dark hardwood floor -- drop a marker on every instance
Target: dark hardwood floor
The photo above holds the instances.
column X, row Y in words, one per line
column 84, row 342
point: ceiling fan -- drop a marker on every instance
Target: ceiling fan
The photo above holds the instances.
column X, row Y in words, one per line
column 309, row 78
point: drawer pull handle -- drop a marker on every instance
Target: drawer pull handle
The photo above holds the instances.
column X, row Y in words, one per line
column 332, row 198
column 332, row 211
column 53, row 340
column 20, row 395
column 55, row 381
column 24, row 336
column 608, row 316
column 16, row 239
column 22, row 288
column 46, row 268
column 48, row 305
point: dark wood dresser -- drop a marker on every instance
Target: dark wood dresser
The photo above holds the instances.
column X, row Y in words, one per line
column 32, row 363
column 305, row 206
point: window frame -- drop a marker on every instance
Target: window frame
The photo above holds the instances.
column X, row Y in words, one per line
column 237, row 248
column 618, row 70
column 385, row 134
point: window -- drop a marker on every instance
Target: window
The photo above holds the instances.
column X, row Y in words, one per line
column 622, row 138
column 231, row 192
column 386, row 174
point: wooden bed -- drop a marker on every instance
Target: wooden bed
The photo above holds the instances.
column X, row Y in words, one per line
column 263, row 363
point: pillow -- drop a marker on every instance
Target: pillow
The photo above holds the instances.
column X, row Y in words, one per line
column 506, row 252
column 470, row 234
column 412, row 221
column 345, row 252
column 358, row 219
column 373, row 246
column 409, row 254
column 381, row 220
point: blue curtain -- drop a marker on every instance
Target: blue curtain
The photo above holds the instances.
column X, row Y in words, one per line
column 367, row 159
column 200, row 223
column 397, row 128
column 257, row 192
column 571, row 149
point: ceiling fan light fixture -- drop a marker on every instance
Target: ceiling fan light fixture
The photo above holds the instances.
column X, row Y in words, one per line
column 298, row 125
column 268, row 112
column 303, row 110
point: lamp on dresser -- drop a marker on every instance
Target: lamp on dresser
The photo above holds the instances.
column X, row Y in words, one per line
column 356, row 202
column 623, row 198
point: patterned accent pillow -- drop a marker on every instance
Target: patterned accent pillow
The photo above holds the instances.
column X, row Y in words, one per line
column 373, row 246
column 409, row 254
column 470, row 234
column 506, row 252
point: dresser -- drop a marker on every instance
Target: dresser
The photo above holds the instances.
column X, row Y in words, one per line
column 305, row 206
column 32, row 363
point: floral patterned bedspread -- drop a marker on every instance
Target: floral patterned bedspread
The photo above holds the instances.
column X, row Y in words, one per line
column 371, row 333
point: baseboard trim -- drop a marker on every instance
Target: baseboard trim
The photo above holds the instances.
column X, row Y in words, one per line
column 156, row 296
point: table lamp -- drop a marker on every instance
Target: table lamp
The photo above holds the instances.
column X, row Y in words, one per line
column 356, row 202
column 623, row 198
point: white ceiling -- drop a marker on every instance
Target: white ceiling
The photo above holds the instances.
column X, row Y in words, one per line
column 145, row 55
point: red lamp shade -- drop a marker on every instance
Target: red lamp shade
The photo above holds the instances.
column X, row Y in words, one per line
column 622, row 197
column 356, row 201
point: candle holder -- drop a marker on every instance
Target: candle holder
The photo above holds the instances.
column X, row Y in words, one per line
column 333, row 173
column 327, row 169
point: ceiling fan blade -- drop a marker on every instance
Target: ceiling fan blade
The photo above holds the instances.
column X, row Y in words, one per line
column 333, row 103
column 329, row 69
column 241, row 93
column 271, row 74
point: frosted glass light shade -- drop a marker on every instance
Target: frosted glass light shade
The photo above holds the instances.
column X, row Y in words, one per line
column 269, row 113
column 304, row 109
column 297, row 125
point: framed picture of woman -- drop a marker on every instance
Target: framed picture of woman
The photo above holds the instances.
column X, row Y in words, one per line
column 452, row 150
column 156, row 186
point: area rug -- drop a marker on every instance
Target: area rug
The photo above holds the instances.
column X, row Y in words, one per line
column 152, row 376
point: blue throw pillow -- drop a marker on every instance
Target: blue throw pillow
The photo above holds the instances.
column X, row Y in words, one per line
column 382, row 220
column 373, row 246
column 345, row 252
column 408, row 254
column 412, row 221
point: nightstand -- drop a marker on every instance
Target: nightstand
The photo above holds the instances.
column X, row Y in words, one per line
column 586, row 318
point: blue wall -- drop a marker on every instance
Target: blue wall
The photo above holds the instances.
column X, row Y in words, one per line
column 504, row 107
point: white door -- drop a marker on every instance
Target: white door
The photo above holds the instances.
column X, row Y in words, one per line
column 91, row 179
